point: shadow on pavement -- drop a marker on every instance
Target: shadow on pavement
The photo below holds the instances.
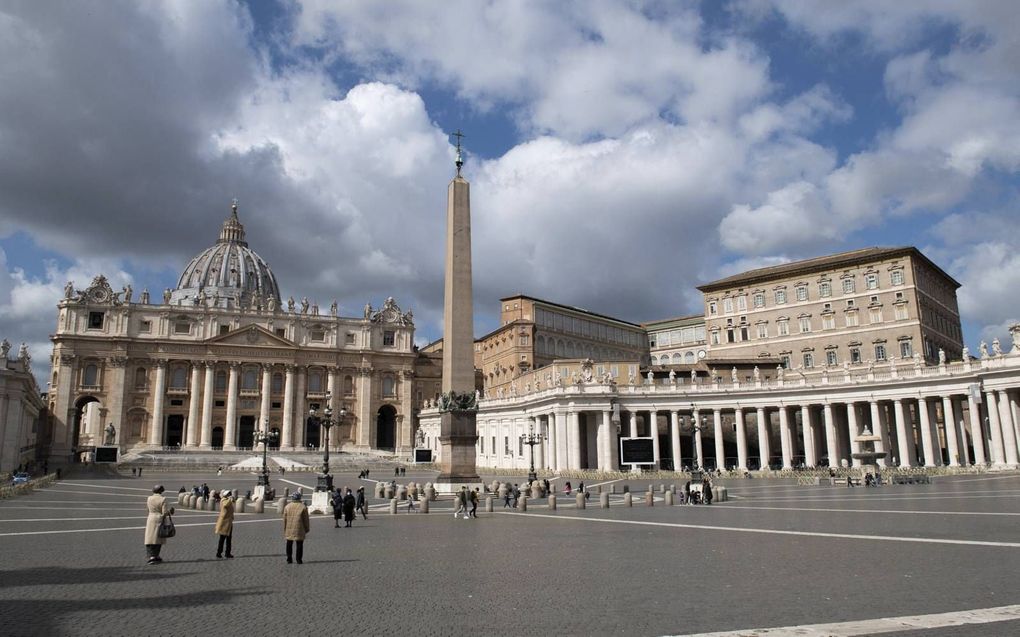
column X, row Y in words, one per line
column 51, row 576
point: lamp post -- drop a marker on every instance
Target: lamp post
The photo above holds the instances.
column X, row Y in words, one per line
column 263, row 438
column 326, row 421
column 531, row 439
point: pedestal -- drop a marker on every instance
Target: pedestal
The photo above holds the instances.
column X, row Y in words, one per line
column 457, row 439
column 320, row 503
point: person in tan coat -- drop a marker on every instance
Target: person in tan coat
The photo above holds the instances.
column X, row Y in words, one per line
column 295, row 526
column 157, row 507
column 225, row 523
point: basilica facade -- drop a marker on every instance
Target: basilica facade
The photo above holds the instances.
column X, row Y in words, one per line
column 208, row 364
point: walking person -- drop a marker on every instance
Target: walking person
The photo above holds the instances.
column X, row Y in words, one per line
column 462, row 502
column 157, row 508
column 506, row 498
column 517, row 494
column 360, row 504
column 410, row 504
column 337, row 502
column 349, row 504
column 225, row 525
column 474, row 503
column 295, row 526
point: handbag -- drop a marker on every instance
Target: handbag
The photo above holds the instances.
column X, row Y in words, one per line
column 166, row 527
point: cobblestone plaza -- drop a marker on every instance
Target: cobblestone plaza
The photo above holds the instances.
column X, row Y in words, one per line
column 775, row 555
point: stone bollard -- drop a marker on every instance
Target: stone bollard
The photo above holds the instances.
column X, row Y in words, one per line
column 494, row 486
column 413, row 491
column 207, row 505
column 628, row 501
column 626, row 488
column 379, row 487
column 669, row 498
column 192, row 500
column 604, row 500
column 522, row 503
column 239, row 508
column 720, row 494
column 389, row 492
column 424, row 504
column 488, row 504
column 393, row 506
column 552, row 501
column 402, row 493
column 581, row 501
column 180, row 498
column 281, row 503
column 651, row 488
column 430, row 492
column 662, row 488
column 650, row 499
column 536, row 489
column 501, row 491
column 260, row 505
column 286, row 492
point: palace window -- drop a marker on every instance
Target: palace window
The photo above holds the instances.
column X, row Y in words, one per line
column 348, row 385
column 784, row 327
column 91, row 376
column 855, row 355
column 871, row 281
column 145, row 327
column 141, row 378
column 727, row 305
column 715, row 337
column 802, row 293
column 713, row 308
column 349, row 338
column 880, row 352
column 851, row 319
column 805, row 324
column 828, row 322
column 742, row 302
column 809, row 360
column 763, row 330
column 314, row 382
column 824, row 289
column 848, row 286
column 896, row 277
column 280, row 331
column 318, row 335
column 875, row 315
column 249, row 379
column 179, row 378
column 906, row 349
column 780, row 297
column 182, row 327
column 830, row 358
column 759, row 299
column 901, row 312
column 388, row 386
column 388, row 338
column 96, row 320
column 221, row 381
column 277, row 383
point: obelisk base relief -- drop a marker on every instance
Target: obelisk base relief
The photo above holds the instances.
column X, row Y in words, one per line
column 457, row 439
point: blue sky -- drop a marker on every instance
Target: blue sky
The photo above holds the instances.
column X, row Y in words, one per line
column 620, row 153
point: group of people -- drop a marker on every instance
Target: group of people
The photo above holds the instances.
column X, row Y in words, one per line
column 466, row 498
column 136, row 472
column 346, row 504
column 697, row 496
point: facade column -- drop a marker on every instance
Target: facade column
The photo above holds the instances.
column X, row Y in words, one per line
column 830, row 435
column 720, row 450
column 764, row 452
column 924, row 412
column 674, row 438
column 785, row 437
column 653, row 431
column 949, row 420
column 554, row 442
column 207, row 406
column 614, row 446
column 287, row 439
column 364, row 411
column 562, row 441
column 810, row 458
column 266, row 389
column 699, row 452
column 878, row 428
column 977, row 431
column 961, row 432
column 995, row 431
column 191, row 439
column 574, row 440
column 633, row 424
column 158, row 398
column 854, row 431
column 230, row 430
column 1008, row 431
column 907, row 458
column 605, row 456
column 738, row 415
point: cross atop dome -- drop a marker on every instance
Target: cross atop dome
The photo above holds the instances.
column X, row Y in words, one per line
column 460, row 157
column 233, row 231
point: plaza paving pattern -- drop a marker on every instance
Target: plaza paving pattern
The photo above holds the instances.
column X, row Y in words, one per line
column 775, row 555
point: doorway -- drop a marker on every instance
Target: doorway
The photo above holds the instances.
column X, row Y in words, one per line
column 386, row 428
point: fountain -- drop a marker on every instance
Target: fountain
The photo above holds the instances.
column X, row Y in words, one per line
column 867, row 454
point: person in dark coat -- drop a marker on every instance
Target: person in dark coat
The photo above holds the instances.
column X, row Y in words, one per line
column 349, row 503
column 337, row 502
column 360, row 504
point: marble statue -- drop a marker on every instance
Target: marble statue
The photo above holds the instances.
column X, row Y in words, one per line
column 272, row 303
column 651, row 377
column 290, row 305
column 780, row 372
column 315, row 309
column 166, row 295
column 672, row 376
column 917, row 361
column 966, row 353
column 5, row 347
column 333, row 308
column 23, row 352
column 714, row 374
column 756, row 373
column 111, row 434
column 127, row 293
column 145, row 296
column 996, row 347
column 983, row 349
column 694, row 376
column 942, row 356
column 368, row 310
column 631, row 379
column 733, row 376
column 68, row 290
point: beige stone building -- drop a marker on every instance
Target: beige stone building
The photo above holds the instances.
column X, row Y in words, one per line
column 533, row 333
column 23, row 417
column 221, row 357
column 677, row 341
column 855, row 308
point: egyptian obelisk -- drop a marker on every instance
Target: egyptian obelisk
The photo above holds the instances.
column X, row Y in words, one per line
column 457, row 433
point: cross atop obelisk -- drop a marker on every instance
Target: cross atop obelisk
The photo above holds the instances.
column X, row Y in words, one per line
column 458, row 435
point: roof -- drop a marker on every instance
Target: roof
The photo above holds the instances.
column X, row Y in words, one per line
column 571, row 308
column 823, row 263
column 677, row 321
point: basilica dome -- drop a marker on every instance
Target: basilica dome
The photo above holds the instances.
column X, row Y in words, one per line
column 228, row 274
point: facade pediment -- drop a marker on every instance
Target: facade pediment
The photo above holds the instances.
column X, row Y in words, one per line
column 250, row 336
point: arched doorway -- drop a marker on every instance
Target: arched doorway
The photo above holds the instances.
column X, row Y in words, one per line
column 79, row 441
column 217, row 437
column 246, row 432
column 174, row 431
column 386, row 428
column 312, row 433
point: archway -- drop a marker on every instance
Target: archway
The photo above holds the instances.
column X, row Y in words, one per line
column 217, row 437
column 246, row 432
column 313, row 433
column 78, row 441
column 386, row 428
column 174, row 430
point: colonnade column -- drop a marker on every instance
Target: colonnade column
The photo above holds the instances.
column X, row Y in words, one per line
column 267, row 386
column 949, row 420
column 878, row 428
column 810, row 458
column 674, row 438
column 738, row 416
column 852, row 429
column 207, row 406
column 785, row 437
column 906, row 445
column 230, row 430
column 543, row 447
column 574, row 440
column 830, row 436
column 633, row 424
column 653, row 431
column 1008, row 432
column 614, row 446
column 699, row 451
column 156, row 429
column 926, row 437
column 554, row 441
column 977, row 430
column 764, row 452
column 606, row 442
column 961, row 432
column 191, row 439
column 300, row 414
column 720, row 450
column 561, row 441
column 287, row 440
column 994, row 429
